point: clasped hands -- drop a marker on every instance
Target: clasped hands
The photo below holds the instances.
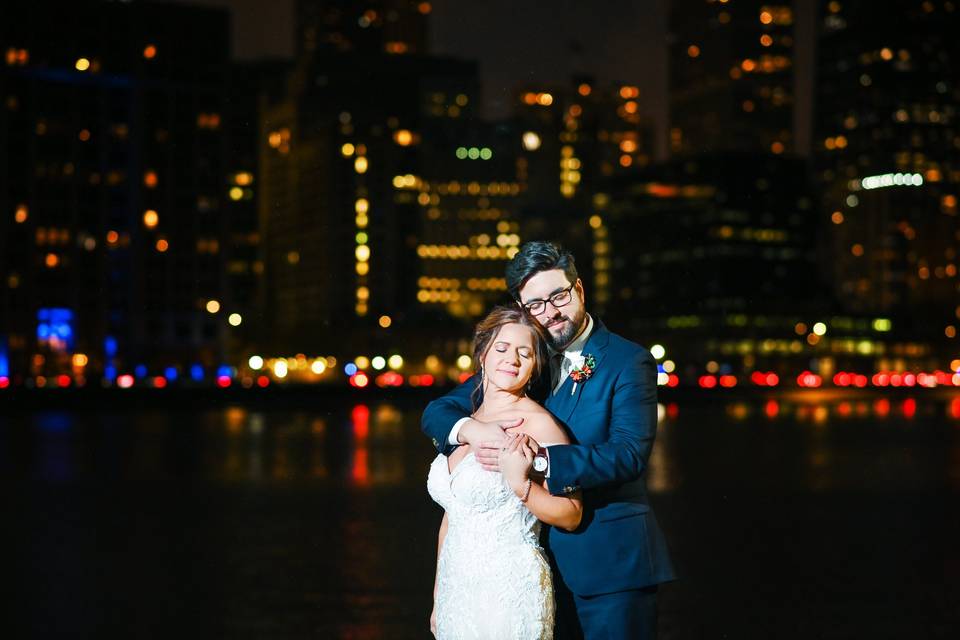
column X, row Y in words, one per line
column 497, row 449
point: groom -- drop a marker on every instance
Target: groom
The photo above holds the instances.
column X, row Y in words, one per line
column 607, row 571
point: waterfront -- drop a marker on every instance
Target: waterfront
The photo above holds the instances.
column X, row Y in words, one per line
column 798, row 516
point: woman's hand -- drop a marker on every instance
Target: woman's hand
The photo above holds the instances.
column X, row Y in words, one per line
column 516, row 461
column 433, row 621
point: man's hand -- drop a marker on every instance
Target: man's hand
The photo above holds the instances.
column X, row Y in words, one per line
column 486, row 439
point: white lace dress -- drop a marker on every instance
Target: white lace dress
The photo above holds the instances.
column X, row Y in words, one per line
column 493, row 579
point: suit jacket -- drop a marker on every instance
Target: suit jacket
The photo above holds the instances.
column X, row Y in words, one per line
column 612, row 420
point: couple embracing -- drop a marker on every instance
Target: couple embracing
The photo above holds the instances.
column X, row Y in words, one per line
column 555, row 427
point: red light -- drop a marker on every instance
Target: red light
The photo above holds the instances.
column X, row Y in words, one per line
column 263, row 381
column 844, row 410
column 707, row 382
column 360, row 416
column 895, row 380
column 728, row 381
column 159, row 382
column 673, row 380
column 772, row 379
column 63, row 380
column 426, row 380
column 909, row 380
column 414, row 381
column 359, row 379
column 909, row 408
column 860, row 380
column 772, row 408
column 125, row 381
column 4, row 382
column 881, row 407
column 361, row 468
column 809, row 380
column 464, row 376
column 842, row 379
column 673, row 410
column 223, row 381
column 758, row 378
column 954, row 408
column 880, row 379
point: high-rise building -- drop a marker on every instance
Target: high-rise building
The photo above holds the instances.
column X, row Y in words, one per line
column 715, row 256
column 377, row 26
column 887, row 155
column 115, row 209
column 732, row 76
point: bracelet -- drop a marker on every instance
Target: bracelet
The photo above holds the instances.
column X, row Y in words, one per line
column 526, row 494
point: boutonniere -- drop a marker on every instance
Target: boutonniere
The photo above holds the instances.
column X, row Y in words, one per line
column 583, row 372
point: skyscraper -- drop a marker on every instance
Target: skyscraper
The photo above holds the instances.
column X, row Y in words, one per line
column 732, row 76
column 112, row 188
column 887, row 154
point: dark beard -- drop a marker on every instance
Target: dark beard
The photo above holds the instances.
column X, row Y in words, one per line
column 559, row 343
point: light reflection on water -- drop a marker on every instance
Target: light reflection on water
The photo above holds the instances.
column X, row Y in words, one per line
column 379, row 444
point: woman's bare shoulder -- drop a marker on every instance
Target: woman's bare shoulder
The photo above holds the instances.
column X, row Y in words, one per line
column 540, row 425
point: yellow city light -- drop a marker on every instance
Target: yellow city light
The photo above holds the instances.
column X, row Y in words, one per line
column 236, row 193
column 235, row 319
column 82, row 64
column 363, row 253
column 21, row 214
column 80, row 360
column 255, row 363
column 150, row 219
column 362, row 205
column 347, row 150
column 385, row 322
column 318, row 366
column 213, row 306
column 363, row 293
column 363, row 268
column 395, row 362
column 403, row 137
column 162, row 245
column 464, row 362
column 360, row 165
column 531, row 141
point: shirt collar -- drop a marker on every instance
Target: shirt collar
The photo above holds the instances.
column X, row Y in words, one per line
column 575, row 348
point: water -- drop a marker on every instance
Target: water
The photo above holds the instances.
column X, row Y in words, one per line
column 802, row 517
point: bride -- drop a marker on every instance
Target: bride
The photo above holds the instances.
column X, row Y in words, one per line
column 493, row 579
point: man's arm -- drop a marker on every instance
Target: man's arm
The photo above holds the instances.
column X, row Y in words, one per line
column 441, row 414
column 633, row 427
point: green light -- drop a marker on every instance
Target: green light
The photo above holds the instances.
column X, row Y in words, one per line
column 486, row 154
column 882, row 324
column 462, row 153
column 361, row 238
column 474, row 153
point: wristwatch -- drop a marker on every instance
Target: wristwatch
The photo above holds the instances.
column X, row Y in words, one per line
column 541, row 461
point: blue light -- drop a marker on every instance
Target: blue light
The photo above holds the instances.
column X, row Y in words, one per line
column 140, row 371
column 170, row 373
column 350, row 369
column 196, row 372
column 43, row 331
column 4, row 358
column 225, row 370
column 110, row 372
column 660, row 369
column 110, row 346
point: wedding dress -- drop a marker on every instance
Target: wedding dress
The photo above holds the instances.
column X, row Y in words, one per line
column 493, row 579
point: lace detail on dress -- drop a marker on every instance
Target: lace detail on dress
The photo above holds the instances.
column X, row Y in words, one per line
column 493, row 578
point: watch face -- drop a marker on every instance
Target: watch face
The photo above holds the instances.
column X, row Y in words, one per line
column 539, row 464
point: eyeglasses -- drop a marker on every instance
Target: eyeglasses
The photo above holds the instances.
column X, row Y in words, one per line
column 559, row 299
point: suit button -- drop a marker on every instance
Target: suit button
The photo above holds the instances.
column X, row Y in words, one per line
column 436, row 444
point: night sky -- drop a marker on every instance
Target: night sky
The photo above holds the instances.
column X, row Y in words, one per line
column 515, row 42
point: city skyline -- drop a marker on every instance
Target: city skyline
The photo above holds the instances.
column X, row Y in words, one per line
column 188, row 213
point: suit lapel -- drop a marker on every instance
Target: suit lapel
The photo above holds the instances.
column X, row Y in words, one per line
column 563, row 403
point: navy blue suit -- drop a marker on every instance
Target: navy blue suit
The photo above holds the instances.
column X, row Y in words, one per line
column 612, row 420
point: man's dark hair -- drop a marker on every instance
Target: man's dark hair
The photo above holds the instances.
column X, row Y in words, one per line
column 534, row 257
